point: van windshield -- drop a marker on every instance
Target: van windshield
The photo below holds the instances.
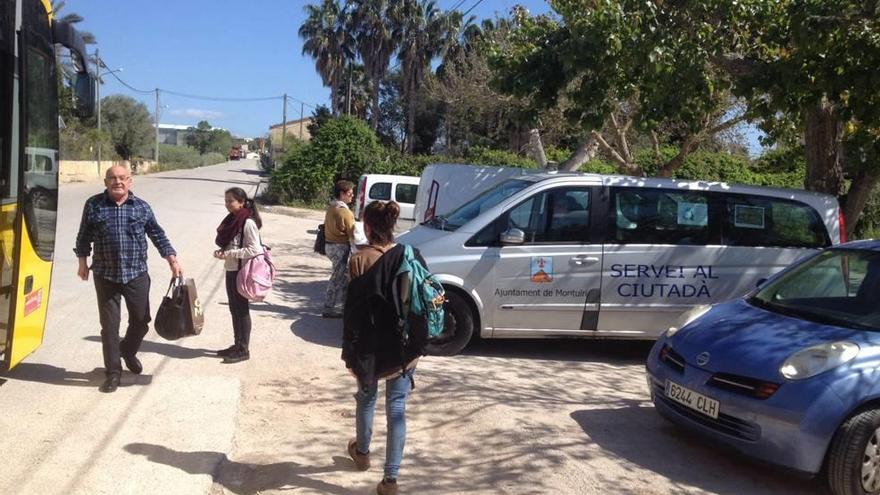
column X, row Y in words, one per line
column 470, row 210
column 838, row 287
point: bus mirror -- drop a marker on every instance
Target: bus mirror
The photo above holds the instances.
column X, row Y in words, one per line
column 84, row 88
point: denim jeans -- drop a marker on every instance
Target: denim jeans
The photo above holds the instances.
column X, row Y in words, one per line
column 396, row 392
column 240, row 309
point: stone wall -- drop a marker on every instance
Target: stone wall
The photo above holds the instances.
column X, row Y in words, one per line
column 87, row 170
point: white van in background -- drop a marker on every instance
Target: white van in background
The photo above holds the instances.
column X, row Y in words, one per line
column 444, row 187
column 402, row 189
column 598, row 256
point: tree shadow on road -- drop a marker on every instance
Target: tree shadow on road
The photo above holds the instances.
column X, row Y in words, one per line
column 244, row 478
column 621, row 352
column 634, row 433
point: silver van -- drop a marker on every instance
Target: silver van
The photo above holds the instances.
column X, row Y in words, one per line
column 596, row 256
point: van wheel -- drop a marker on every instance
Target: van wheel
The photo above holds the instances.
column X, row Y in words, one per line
column 854, row 458
column 457, row 330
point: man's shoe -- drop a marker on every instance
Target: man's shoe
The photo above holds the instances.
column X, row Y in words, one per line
column 133, row 364
column 387, row 487
column 237, row 356
column 110, row 384
column 228, row 351
column 362, row 461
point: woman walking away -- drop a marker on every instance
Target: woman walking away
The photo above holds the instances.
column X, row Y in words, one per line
column 339, row 233
column 371, row 347
column 238, row 237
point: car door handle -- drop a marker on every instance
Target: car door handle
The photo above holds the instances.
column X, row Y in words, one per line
column 583, row 260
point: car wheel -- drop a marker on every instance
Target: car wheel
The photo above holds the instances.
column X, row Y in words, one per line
column 457, row 329
column 854, row 458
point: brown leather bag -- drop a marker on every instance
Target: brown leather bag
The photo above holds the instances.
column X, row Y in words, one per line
column 194, row 311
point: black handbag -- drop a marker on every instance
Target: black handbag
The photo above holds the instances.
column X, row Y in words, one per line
column 320, row 241
column 180, row 313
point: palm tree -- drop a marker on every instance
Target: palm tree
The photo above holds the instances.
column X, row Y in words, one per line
column 424, row 34
column 327, row 39
column 376, row 42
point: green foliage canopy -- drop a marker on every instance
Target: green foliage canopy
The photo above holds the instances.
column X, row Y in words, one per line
column 129, row 124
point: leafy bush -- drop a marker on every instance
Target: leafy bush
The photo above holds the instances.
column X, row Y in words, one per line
column 343, row 148
column 176, row 157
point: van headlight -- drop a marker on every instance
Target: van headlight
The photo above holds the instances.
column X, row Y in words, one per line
column 687, row 317
column 818, row 359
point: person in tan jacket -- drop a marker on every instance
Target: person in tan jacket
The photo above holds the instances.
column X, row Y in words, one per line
column 339, row 234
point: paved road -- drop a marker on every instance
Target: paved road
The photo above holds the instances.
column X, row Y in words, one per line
column 506, row 417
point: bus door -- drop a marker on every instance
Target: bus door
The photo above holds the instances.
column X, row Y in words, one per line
column 29, row 182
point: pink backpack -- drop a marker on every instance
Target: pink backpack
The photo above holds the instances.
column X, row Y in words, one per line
column 256, row 275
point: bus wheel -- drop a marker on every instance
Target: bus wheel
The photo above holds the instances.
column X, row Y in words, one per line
column 458, row 328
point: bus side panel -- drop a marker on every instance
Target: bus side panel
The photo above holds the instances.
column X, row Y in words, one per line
column 31, row 301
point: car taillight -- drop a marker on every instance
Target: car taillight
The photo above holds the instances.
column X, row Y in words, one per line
column 841, row 220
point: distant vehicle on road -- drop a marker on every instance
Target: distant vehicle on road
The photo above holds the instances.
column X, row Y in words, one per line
column 789, row 373
column 235, row 153
column 600, row 256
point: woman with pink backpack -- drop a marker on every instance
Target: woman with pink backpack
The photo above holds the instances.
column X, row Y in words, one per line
column 238, row 237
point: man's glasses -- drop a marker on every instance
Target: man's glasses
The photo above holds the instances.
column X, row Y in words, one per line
column 120, row 178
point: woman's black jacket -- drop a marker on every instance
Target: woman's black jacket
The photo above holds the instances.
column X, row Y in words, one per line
column 371, row 342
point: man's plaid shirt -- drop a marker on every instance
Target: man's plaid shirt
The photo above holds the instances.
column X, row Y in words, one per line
column 118, row 233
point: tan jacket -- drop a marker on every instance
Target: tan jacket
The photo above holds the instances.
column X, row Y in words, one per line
column 338, row 224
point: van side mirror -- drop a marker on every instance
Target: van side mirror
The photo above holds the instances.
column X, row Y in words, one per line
column 513, row 236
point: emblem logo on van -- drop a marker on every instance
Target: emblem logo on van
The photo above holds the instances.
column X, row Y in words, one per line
column 702, row 359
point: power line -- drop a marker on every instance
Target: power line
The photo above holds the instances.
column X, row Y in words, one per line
column 129, row 86
column 472, row 8
column 219, row 98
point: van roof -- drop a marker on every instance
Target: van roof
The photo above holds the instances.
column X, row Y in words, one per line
column 866, row 245
column 693, row 185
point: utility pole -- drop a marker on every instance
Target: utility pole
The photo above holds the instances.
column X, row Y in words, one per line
column 156, row 154
column 301, row 120
column 98, row 95
column 284, row 124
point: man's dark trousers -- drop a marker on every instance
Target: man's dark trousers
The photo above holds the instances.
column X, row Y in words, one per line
column 137, row 301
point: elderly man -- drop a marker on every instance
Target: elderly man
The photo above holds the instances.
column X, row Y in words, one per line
column 117, row 222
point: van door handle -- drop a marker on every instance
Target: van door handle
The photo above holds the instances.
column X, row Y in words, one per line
column 583, row 260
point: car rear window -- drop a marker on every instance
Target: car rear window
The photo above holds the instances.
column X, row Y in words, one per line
column 406, row 193
column 381, row 191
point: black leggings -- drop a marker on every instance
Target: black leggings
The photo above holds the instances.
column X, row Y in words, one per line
column 241, row 316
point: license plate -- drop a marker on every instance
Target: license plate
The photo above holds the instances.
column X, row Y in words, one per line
column 693, row 400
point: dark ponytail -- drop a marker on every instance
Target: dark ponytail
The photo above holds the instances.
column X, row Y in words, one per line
column 381, row 217
column 240, row 195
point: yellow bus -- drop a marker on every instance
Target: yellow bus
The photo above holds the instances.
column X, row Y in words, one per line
column 29, row 164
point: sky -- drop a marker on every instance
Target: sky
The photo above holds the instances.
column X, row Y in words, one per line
column 220, row 49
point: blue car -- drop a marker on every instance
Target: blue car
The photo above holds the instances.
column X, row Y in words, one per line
column 788, row 374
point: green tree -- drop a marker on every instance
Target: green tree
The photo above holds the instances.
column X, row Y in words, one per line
column 615, row 66
column 376, row 41
column 319, row 117
column 425, row 31
column 129, row 123
column 327, row 38
column 199, row 137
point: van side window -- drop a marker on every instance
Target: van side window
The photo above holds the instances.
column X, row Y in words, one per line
column 652, row 216
column 381, row 191
column 772, row 222
column 557, row 216
column 406, row 193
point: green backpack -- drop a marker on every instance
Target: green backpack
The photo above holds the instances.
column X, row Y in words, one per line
column 426, row 298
